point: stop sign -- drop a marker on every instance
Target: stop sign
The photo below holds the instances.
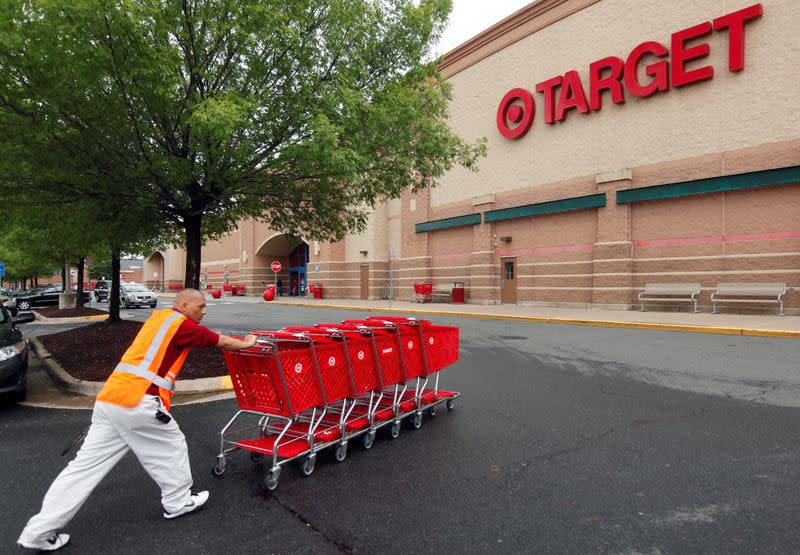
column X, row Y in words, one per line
column 276, row 266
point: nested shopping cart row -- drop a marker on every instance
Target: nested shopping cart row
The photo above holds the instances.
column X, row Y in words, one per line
column 305, row 389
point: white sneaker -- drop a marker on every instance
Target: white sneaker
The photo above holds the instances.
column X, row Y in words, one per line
column 197, row 500
column 51, row 544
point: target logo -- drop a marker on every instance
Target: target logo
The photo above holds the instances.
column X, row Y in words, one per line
column 517, row 108
column 331, row 361
column 410, row 345
column 298, row 367
column 430, row 341
column 360, row 355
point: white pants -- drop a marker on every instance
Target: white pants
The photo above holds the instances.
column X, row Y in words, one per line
column 160, row 448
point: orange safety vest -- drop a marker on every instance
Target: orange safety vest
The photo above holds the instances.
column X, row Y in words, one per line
column 139, row 366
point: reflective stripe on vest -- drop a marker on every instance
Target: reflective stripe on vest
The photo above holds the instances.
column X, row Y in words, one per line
column 143, row 368
column 152, row 377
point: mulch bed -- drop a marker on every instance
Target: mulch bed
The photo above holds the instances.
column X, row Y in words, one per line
column 55, row 312
column 91, row 352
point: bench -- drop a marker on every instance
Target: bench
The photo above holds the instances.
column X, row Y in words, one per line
column 670, row 292
column 742, row 292
column 443, row 290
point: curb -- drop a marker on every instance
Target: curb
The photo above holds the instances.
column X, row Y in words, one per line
column 66, row 382
column 562, row 321
column 76, row 320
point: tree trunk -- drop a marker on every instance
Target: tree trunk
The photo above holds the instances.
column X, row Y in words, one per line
column 113, row 294
column 79, row 301
column 24, row 283
column 35, row 280
column 64, row 285
column 193, row 246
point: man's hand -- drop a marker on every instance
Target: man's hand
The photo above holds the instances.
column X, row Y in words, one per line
column 250, row 339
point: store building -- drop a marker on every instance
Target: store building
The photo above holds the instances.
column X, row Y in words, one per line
column 629, row 142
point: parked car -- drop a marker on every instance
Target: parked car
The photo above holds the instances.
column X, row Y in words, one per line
column 7, row 300
column 101, row 290
column 13, row 355
column 134, row 294
column 43, row 296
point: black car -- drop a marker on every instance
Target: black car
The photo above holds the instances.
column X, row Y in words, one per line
column 43, row 296
column 13, row 355
column 101, row 289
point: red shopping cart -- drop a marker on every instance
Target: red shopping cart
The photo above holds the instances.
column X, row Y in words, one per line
column 440, row 346
column 279, row 381
column 423, row 293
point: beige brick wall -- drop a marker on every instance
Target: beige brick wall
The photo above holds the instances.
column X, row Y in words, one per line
column 732, row 111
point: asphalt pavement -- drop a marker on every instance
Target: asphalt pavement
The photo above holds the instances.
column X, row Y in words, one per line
column 568, row 439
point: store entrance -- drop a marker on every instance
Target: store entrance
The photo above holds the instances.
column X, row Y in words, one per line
column 292, row 255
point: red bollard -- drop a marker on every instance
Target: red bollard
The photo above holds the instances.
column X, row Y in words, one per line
column 216, row 293
column 269, row 294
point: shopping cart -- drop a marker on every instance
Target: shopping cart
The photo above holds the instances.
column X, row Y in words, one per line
column 440, row 349
column 278, row 381
column 423, row 293
column 416, row 363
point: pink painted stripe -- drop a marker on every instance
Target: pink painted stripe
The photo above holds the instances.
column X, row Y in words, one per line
column 711, row 239
column 547, row 250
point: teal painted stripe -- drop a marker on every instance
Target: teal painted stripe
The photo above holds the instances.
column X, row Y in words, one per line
column 447, row 223
column 751, row 180
column 552, row 207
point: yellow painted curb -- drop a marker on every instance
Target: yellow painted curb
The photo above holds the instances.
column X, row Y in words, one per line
column 566, row 321
column 95, row 318
column 225, row 382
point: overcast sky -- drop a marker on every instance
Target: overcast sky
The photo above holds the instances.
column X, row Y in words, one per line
column 470, row 17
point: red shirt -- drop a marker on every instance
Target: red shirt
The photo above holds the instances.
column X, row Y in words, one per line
column 189, row 334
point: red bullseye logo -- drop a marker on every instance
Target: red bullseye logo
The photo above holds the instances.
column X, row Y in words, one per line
column 511, row 111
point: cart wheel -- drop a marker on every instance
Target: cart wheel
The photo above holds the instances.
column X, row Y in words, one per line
column 256, row 457
column 394, row 431
column 450, row 403
column 416, row 420
column 432, row 411
column 219, row 466
column 340, row 452
column 271, row 480
column 368, row 439
column 307, row 467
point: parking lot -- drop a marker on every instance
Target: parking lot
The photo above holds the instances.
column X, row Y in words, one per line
column 567, row 439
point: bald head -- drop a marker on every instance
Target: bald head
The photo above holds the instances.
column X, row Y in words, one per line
column 191, row 303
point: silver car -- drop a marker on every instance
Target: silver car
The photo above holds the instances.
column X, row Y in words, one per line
column 134, row 294
column 7, row 300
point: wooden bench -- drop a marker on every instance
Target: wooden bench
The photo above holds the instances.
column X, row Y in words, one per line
column 743, row 293
column 670, row 292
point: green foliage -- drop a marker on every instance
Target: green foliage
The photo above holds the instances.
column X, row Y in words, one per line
column 199, row 113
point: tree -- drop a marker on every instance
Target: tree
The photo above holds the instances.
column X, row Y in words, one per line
column 23, row 252
column 303, row 113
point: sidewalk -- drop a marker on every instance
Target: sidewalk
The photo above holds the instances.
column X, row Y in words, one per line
column 704, row 322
